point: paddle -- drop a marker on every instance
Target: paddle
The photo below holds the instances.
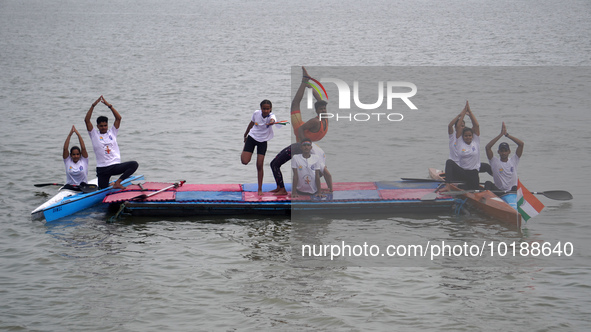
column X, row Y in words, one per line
column 421, row 180
column 84, row 187
column 429, row 197
column 144, row 196
column 428, row 180
column 48, row 184
column 559, row 195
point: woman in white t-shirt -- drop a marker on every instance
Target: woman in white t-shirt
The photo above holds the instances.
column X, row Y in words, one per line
column 75, row 161
column 467, row 151
column 258, row 132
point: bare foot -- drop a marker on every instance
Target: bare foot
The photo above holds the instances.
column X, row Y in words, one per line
column 260, row 193
column 305, row 74
column 279, row 192
column 118, row 186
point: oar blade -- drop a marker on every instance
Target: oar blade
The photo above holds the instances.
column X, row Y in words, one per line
column 559, row 195
column 88, row 188
column 140, row 197
column 429, row 197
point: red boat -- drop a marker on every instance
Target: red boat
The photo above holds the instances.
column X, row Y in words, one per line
column 485, row 201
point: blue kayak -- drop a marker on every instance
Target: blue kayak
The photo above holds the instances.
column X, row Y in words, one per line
column 67, row 202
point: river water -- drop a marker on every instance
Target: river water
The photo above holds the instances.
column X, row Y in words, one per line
column 186, row 77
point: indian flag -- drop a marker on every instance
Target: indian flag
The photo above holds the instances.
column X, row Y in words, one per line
column 527, row 204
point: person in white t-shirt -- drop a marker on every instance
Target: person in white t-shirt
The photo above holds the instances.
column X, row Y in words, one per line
column 467, row 151
column 306, row 171
column 504, row 168
column 75, row 161
column 456, row 124
column 106, row 149
column 258, row 132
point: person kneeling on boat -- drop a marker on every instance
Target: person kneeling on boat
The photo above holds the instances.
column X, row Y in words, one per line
column 467, row 151
column 306, row 171
column 76, row 162
column 504, row 168
column 285, row 155
column 106, row 149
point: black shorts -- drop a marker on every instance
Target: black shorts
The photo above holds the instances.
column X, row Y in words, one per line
column 251, row 143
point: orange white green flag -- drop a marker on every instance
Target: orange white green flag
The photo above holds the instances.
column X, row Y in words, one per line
column 527, row 204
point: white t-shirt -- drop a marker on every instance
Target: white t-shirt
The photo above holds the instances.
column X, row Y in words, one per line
column 468, row 154
column 105, row 147
column 261, row 131
column 453, row 154
column 76, row 172
column 504, row 173
column 306, row 172
column 321, row 155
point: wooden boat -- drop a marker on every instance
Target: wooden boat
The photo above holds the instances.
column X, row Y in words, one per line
column 241, row 199
column 502, row 208
column 67, row 202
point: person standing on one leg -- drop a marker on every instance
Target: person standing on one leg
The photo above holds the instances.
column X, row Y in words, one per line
column 258, row 132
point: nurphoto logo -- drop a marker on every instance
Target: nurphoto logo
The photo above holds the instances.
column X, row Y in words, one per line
column 394, row 90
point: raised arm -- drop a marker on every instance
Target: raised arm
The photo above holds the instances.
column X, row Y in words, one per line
column 488, row 148
column 452, row 124
column 66, row 152
column 455, row 121
column 83, row 151
column 517, row 141
column 116, row 114
column 460, row 118
column 312, row 125
column 475, row 125
column 88, row 117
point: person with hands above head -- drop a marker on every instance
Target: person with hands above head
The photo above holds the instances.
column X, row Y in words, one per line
column 504, row 168
column 315, row 129
column 258, row 132
column 75, row 161
column 106, row 149
column 455, row 125
column 467, row 151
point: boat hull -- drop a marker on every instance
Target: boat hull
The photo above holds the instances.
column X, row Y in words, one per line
column 237, row 199
column 67, row 202
column 488, row 202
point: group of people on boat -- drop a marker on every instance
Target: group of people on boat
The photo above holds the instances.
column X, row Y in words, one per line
column 464, row 163
column 308, row 161
column 106, row 151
